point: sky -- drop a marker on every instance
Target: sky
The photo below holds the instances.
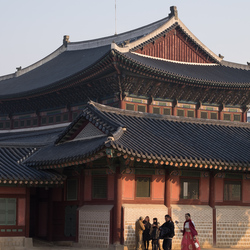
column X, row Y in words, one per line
column 31, row 29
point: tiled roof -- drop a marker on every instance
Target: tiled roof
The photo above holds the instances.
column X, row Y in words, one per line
column 79, row 56
column 75, row 58
column 165, row 140
column 49, row 74
column 16, row 147
column 213, row 74
column 66, row 152
column 30, row 138
column 13, row 171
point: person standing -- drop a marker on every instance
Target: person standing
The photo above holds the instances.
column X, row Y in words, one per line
column 167, row 233
column 155, row 234
column 189, row 239
column 139, row 228
column 146, row 232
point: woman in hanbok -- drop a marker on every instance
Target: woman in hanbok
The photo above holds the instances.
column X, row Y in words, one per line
column 189, row 240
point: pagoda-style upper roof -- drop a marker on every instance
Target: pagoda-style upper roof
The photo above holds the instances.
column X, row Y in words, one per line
column 66, row 65
column 158, row 139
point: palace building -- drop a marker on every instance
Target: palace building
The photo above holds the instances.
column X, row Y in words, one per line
column 144, row 123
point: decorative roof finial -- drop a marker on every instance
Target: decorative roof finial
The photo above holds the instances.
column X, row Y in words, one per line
column 65, row 40
column 221, row 56
column 173, row 12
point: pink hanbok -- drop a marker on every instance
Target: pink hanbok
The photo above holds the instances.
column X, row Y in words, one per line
column 188, row 242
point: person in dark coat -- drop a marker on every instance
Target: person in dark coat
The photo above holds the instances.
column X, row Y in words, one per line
column 167, row 233
column 155, row 234
column 146, row 232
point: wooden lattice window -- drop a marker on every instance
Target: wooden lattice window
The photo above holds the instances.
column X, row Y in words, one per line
column 227, row 117
column 72, row 189
column 190, row 113
column 143, row 186
column 7, row 125
column 66, row 117
column 28, row 123
column 16, row 124
column 214, row 116
column 130, row 106
column 7, row 211
column 70, row 223
column 99, row 187
column 232, row 190
column 156, row 110
column 58, row 118
column 189, row 189
column 44, row 120
column 180, row 112
column 34, row 122
column 237, row 118
column 167, row 111
column 51, row 119
column 141, row 108
column 203, row 115
column 22, row 123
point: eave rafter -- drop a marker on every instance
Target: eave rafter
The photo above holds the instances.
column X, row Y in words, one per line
column 156, row 161
column 156, row 88
column 69, row 162
column 182, row 163
column 138, row 83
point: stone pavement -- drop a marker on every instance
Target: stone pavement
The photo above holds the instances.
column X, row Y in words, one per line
column 44, row 245
column 52, row 246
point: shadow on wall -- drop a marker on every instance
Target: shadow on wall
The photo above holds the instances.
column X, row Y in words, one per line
column 130, row 239
column 232, row 226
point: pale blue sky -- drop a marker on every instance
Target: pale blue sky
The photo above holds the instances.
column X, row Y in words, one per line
column 32, row 29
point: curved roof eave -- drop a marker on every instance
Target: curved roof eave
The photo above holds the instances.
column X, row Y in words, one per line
column 51, row 74
column 215, row 75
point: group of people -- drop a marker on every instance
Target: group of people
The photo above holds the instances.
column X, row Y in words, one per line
column 145, row 231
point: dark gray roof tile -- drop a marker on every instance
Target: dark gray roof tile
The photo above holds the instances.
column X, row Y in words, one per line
column 49, row 74
column 214, row 73
column 159, row 137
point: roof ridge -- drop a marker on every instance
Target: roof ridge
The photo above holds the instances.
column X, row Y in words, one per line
column 35, row 65
column 104, row 108
column 92, row 106
column 235, row 65
column 135, row 33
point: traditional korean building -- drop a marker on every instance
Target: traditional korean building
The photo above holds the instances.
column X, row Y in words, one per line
column 165, row 132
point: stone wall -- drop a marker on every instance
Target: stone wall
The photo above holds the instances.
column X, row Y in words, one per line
column 132, row 212
column 233, row 226
column 202, row 217
column 12, row 242
column 94, row 226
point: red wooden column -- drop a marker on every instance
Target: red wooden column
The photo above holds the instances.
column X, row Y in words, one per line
column 167, row 201
column 122, row 104
column 117, row 221
column 50, row 215
column 212, row 205
column 244, row 116
column 27, row 214
column 81, row 188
